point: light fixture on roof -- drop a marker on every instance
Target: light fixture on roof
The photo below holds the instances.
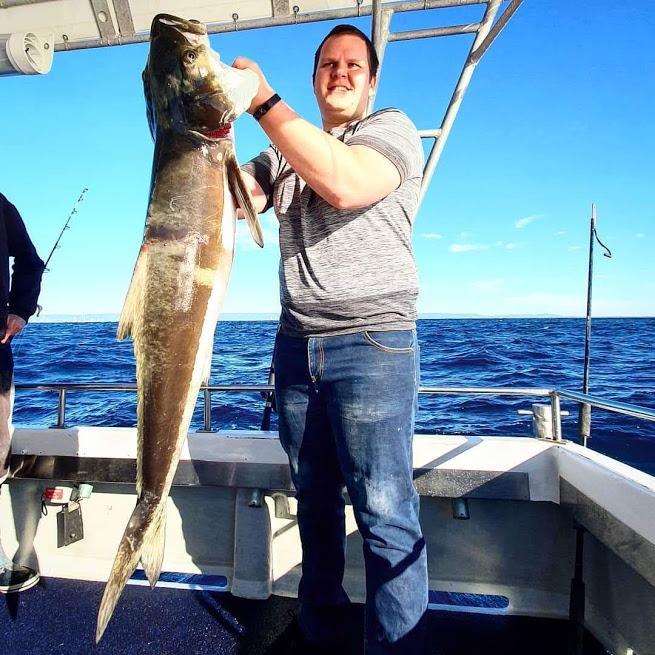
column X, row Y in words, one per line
column 26, row 53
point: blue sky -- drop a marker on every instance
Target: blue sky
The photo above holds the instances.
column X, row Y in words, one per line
column 559, row 115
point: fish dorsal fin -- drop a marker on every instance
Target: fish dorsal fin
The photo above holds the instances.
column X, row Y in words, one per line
column 241, row 192
column 134, row 298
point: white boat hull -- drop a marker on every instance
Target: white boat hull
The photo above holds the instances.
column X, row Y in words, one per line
column 232, row 514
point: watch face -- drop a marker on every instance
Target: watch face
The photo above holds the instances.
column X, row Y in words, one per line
column 266, row 106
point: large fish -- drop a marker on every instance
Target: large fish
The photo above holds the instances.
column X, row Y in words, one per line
column 182, row 271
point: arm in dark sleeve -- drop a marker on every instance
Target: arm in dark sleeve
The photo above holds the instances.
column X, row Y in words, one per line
column 28, row 266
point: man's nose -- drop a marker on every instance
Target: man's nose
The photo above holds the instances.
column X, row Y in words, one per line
column 339, row 70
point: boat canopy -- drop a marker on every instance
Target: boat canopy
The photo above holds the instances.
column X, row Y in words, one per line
column 75, row 24
column 31, row 31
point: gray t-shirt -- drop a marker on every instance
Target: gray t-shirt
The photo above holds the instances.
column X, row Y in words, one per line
column 342, row 271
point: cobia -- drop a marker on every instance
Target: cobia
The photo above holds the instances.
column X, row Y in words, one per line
column 182, row 270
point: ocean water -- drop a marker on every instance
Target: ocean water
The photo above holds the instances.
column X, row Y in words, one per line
column 509, row 353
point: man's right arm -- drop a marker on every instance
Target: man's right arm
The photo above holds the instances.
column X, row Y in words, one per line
column 345, row 176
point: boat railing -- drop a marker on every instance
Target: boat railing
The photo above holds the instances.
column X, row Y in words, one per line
column 552, row 411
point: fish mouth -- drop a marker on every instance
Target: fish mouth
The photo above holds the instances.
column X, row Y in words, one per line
column 220, row 134
column 162, row 22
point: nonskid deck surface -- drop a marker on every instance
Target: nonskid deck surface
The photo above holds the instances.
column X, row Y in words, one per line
column 59, row 616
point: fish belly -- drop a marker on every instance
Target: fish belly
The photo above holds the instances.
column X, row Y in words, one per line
column 186, row 283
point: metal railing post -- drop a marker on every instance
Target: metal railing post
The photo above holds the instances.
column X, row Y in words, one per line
column 557, row 416
column 61, row 410
column 207, row 410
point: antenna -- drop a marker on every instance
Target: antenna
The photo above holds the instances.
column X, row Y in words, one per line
column 584, row 414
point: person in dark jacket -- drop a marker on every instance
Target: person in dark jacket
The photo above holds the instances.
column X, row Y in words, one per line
column 19, row 292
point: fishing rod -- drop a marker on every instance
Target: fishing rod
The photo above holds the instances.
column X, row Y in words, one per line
column 61, row 234
column 584, row 419
column 17, row 342
column 66, row 227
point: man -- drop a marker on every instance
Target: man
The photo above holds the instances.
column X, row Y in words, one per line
column 346, row 355
column 18, row 295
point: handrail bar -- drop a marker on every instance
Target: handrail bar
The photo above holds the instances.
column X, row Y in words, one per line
column 483, row 391
column 554, row 395
column 122, row 386
column 131, row 386
column 612, row 406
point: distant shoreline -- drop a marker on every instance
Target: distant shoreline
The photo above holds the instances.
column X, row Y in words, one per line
column 113, row 318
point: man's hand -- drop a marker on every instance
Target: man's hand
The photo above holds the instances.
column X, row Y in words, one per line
column 265, row 90
column 14, row 325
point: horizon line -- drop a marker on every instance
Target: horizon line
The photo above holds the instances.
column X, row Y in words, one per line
column 271, row 316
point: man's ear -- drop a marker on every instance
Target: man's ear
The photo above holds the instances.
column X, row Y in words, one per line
column 374, row 84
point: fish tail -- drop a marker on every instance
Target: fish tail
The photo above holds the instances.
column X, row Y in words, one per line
column 143, row 540
column 152, row 554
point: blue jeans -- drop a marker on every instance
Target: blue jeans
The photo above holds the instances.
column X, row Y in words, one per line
column 346, row 407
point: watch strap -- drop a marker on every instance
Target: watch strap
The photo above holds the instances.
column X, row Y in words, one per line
column 265, row 107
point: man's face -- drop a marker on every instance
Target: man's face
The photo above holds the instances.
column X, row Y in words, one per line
column 343, row 79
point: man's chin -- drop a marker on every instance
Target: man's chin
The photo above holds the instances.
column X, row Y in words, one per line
column 343, row 109
column 339, row 112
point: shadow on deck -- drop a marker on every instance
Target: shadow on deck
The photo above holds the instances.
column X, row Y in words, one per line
column 59, row 616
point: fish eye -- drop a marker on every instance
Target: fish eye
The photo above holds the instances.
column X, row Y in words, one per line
column 190, row 56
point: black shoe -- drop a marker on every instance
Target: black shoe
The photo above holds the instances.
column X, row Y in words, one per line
column 323, row 628
column 293, row 641
column 18, row 578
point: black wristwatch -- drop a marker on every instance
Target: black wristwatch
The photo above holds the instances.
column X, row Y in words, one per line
column 264, row 108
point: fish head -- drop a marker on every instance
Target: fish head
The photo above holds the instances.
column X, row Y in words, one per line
column 187, row 87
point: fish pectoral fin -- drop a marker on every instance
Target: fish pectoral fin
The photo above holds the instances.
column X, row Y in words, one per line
column 134, row 298
column 241, row 192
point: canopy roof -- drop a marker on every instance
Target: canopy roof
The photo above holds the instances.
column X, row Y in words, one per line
column 84, row 23
column 78, row 24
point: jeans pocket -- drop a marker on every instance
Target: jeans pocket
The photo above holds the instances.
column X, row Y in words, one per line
column 391, row 341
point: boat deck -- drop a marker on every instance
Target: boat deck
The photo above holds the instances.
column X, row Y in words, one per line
column 59, row 616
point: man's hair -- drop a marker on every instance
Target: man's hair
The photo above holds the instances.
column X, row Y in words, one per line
column 373, row 61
